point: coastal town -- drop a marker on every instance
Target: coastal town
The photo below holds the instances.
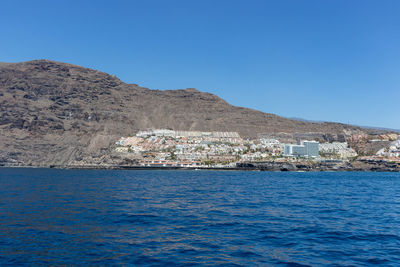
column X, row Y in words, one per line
column 196, row 149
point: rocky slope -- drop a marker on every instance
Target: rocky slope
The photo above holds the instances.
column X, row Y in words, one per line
column 58, row 113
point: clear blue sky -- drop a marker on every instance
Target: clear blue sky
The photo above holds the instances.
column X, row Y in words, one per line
column 332, row 60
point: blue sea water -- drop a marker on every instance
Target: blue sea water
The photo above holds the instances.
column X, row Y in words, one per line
column 197, row 218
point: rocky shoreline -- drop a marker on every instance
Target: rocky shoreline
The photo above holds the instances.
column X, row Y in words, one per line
column 333, row 165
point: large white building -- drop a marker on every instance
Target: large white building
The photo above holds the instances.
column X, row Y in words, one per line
column 309, row 149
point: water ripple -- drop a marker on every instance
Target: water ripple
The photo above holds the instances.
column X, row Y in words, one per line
column 183, row 218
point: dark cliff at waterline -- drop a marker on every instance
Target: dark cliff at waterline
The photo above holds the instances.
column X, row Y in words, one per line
column 58, row 113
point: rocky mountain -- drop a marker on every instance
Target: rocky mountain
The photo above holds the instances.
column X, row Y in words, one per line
column 58, row 113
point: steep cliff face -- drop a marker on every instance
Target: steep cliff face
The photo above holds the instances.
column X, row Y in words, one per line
column 58, row 113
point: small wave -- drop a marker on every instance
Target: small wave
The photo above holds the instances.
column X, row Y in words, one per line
column 138, row 219
column 222, row 225
column 245, row 254
column 377, row 261
column 293, row 264
column 375, row 237
column 205, row 245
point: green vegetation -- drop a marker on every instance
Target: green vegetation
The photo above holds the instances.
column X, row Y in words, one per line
column 209, row 162
column 172, row 155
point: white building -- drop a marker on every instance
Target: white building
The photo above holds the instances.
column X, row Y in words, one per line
column 309, row 149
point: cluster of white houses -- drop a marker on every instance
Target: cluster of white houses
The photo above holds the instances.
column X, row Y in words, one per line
column 169, row 148
column 165, row 144
column 337, row 150
column 392, row 151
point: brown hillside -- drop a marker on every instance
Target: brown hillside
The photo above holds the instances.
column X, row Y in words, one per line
column 57, row 113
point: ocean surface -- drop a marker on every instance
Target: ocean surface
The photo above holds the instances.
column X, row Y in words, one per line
column 197, row 218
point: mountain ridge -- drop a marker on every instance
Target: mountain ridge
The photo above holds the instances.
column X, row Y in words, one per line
column 60, row 113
